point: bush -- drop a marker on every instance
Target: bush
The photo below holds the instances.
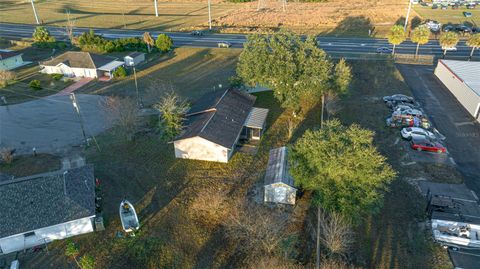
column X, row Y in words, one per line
column 41, row 34
column 120, row 72
column 57, row 76
column 93, row 42
column 5, row 77
column 7, row 155
column 164, row 43
column 87, row 262
column 35, row 84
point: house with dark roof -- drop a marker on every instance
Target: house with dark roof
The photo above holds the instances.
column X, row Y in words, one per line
column 215, row 124
column 45, row 207
column 278, row 183
column 10, row 59
column 81, row 64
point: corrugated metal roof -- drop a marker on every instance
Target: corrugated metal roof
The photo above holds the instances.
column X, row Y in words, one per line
column 256, row 118
column 469, row 72
column 277, row 168
column 111, row 66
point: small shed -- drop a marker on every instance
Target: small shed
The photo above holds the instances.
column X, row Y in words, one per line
column 279, row 185
column 255, row 124
column 134, row 58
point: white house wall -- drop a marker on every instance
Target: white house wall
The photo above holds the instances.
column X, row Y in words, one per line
column 197, row 148
column 466, row 96
column 44, row 235
column 70, row 72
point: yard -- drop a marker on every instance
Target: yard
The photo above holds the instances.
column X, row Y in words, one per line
column 182, row 203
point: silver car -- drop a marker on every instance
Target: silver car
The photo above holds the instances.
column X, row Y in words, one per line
column 416, row 132
column 224, row 44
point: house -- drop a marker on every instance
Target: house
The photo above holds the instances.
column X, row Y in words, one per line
column 462, row 79
column 10, row 59
column 45, row 207
column 278, row 184
column 455, row 214
column 81, row 64
column 215, row 124
column 134, row 58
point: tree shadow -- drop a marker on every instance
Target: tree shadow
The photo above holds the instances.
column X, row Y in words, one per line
column 415, row 22
column 354, row 26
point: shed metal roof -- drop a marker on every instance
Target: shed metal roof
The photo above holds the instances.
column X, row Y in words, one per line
column 256, row 118
column 277, row 168
column 467, row 71
column 111, row 66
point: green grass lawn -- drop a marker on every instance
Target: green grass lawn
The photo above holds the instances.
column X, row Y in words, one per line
column 450, row 16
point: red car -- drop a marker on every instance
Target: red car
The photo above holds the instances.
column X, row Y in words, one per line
column 422, row 144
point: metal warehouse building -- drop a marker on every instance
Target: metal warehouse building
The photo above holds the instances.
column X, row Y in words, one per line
column 463, row 80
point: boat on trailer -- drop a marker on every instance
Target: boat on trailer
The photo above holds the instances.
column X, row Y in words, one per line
column 129, row 217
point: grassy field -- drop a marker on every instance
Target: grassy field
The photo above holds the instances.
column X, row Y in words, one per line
column 334, row 17
column 182, row 203
column 450, row 16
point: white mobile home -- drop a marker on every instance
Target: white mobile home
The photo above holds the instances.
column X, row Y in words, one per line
column 216, row 123
column 10, row 59
column 279, row 185
column 41, row 208
column 462, row 79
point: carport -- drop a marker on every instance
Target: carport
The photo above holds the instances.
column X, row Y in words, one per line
column 108, row 69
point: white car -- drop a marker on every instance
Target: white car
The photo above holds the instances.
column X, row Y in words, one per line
column 450, row 49
column 416, row 132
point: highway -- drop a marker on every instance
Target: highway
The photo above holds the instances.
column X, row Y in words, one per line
column 339, row 45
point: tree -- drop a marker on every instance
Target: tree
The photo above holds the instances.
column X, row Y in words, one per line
column 72, row 252
column 396, row 36
column 41, row 34
column 148, row 39
column 448, row 40
column 341, row 81
column 296, row 70
column 421, row 36
column 5, row 77
column 35, row 84
column 164, row 43
column 69, row 26
column 343, row 168
column 172, row 111
column 336, row 233
column 123, row 113
column 120, row 72
column 474, row 43
column 87, row 262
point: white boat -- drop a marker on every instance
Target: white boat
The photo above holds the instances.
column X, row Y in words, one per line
column 128, row 216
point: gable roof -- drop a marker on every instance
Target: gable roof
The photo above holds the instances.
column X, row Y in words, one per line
column 277, row 168
column 5, row 54
column 466, row 71
column 134, row 54
column 219, row 117
column 80, row 59
column 44, row 200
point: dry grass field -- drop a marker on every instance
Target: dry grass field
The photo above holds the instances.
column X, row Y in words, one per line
column 336, row 17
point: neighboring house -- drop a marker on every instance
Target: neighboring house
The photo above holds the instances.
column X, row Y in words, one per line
column 10, row 59
column 81, row 64
column 134, row 58
column 278, row 184
column 45, row 207
column 462, row 79
column 215, row 124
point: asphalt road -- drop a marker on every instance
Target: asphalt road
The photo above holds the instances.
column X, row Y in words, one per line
column 329, row 44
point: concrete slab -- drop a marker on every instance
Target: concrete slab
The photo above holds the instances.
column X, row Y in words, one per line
column 456, row 191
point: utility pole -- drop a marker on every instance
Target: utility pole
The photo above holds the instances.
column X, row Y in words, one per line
column 35, row 12
column 136, row 86
column 209, row 15
column 408, row 15
column 156, row 8
column 77, row 110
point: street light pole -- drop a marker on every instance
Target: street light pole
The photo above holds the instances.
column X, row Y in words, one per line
column 136, row 86
column 35, row 12
column 209, row 15
column 77, row 110
column 156, row 8
column 408, row 15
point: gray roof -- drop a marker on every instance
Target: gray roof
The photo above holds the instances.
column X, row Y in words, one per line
column 80, row 59
column 5, row 54
column 257, row 118
column 135, row 54
column 455, row 191
column 219, row 117
column 44, row 200
column 467, row 71
column 277, row 168
column 456, row 210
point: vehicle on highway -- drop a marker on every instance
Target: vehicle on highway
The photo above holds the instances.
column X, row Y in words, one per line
column 384, row 50
column 416, row 132
column 196, row 33
column 398, row 98
column 450, row 49
column 224, row 44
column 424, row 144
column 467, row 14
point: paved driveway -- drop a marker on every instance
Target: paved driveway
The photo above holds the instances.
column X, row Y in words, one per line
column 50, row 124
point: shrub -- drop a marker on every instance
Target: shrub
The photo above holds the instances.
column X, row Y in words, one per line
column 7, row 155
column 57, row 76
column 35, row 84
column 41, row 34
column 87, row 262
column 164, row 43
column 91, row 41
column 120, row 72
column 5, row 77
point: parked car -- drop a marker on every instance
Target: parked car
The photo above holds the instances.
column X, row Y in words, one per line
column 467, row 14
column 196, row 33
column 434, row 26
column 416, row 132
column 394, row 104
column 224, row 44
column 464, row 29
column 423, row 144
column 434, row 6
column 455, row 6
column 384, row 50
column 398, row 98
column 403, row 107
column 448, row 28
column 444, row 7
column 409, row 122
column 408, row 113
column 471, row 6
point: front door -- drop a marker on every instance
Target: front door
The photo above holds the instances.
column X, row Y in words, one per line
column 255, row 134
